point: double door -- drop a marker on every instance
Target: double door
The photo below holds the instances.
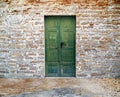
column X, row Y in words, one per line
column 60, row 46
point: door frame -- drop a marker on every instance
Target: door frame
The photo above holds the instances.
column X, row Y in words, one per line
column 45, row 42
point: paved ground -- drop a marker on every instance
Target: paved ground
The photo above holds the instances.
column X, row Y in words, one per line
column 62, row 92
column 60, row 87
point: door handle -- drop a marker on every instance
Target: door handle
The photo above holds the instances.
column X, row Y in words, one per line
column 61, row 44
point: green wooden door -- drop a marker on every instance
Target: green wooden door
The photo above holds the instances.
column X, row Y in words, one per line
column 60, row 46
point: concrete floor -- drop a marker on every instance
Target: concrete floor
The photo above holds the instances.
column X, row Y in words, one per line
column 60, row 87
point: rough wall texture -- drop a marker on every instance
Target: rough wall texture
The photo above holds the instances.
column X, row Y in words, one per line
column 22, row 46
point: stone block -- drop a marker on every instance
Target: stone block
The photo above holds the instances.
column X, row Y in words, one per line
column 82, row 75
column 97, row 74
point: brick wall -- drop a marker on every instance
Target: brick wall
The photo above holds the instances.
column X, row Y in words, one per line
column 22, row 46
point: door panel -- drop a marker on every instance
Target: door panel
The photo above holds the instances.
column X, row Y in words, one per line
column 52, row 39
column 67, row 37
column 52, row 55
column 51, row 34
column 67, row 70
column 52, row 45
column 67, row 55
column 51, row 22
column 60, row 46
column 52, row 70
